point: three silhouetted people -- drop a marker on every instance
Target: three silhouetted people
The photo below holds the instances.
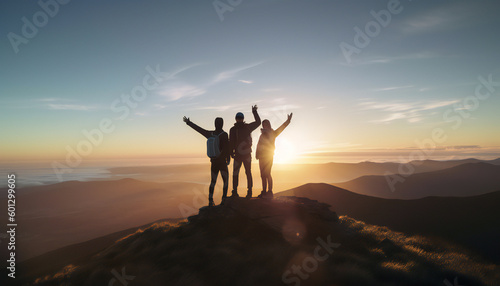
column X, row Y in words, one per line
column 221, row 147
column 219, row 153
column 265, row 154
column 240, row 138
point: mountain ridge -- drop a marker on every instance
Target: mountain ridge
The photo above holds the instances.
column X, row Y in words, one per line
column 465, row 180
column 446, row 217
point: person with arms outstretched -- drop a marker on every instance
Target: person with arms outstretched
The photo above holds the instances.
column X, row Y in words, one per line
column 240, row 137
column 219, row 153
column 265, row 154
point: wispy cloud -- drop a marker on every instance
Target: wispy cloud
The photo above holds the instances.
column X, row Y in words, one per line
column 179, row 90
column 176, row 87
column 225, row 75
column 410, row 111
column 437, row 104
column 453, row 15
column 173, row 75
column 245, row 81
column 370, row 60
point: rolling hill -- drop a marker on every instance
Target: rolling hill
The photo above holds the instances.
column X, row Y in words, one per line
column 470, row 221
column 56, row 215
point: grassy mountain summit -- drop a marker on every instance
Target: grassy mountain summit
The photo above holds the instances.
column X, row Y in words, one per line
column 284, row 241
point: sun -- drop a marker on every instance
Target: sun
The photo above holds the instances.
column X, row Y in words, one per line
column 285, row 151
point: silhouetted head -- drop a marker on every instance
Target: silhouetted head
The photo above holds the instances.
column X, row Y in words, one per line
column 239, row 117
column 266, row 124
column 219, row 123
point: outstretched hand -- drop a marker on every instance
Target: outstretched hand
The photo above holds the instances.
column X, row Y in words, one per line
column 186, row 119
column 254, row 108
column 289, row 117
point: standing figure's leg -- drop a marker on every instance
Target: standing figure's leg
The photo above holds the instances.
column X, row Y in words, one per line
column 248, row 171
column 236, row 173
column 214, row 170
column 225, row 178
column 262, row 165
column 269, row 177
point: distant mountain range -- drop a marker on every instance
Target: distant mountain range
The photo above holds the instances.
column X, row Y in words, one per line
column 291, row 175
column 470, row 221
column 462, row 180
column 341, row 172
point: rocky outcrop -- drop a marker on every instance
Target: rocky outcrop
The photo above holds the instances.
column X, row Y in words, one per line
column 275, row 213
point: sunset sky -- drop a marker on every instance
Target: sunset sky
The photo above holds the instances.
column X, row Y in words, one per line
column 418, row 73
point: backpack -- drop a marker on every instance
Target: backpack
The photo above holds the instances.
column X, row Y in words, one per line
column 213, row 146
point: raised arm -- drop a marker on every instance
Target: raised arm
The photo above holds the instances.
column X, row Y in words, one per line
column 284, row 125
column 252, row 126
column 200, row 130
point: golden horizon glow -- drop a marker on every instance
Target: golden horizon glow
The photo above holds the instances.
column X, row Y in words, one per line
column 286, row 152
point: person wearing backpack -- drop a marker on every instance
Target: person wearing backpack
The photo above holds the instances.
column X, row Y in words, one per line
column 240, row 138
column 218, row 152
column 265, row 154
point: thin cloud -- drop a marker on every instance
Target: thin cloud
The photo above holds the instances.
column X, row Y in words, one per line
column 245, row 81
column 225, row 75
column 438, row 104
column 51, row 99
column 175, row 88
column 178, row 91
column 391, row 117
column 390, row 59
column 445, row 17
column 411, row 111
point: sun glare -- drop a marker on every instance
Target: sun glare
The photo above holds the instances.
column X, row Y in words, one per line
column 285, row 151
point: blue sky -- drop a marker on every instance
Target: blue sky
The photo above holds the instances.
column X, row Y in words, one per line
column 284, row 56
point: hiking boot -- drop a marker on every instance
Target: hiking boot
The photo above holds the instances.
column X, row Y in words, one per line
column 223, row 201
column 270, row 195
column 249, row 195
column 235, row 195
column 211, row 203
column 262, row 195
